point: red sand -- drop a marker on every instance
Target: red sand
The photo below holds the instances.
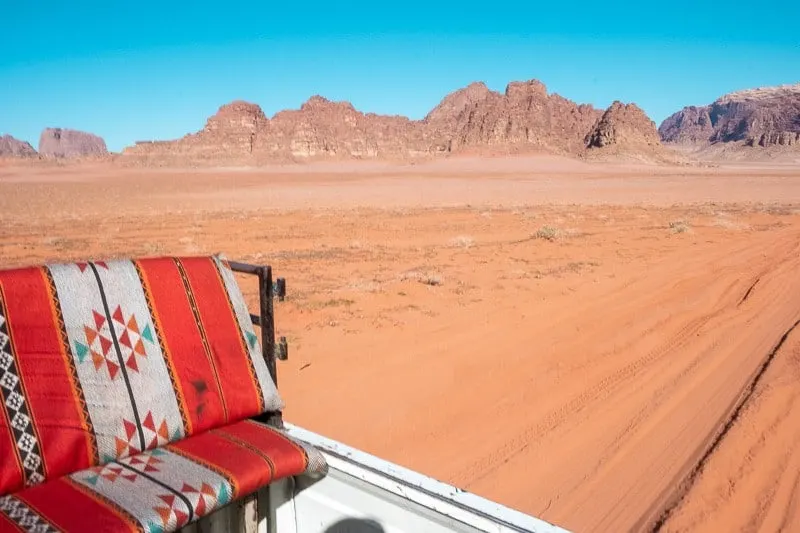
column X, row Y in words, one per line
column 580, row 379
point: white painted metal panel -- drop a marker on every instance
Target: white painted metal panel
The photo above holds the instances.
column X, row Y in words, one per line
column 365, row 494
column 360, row 484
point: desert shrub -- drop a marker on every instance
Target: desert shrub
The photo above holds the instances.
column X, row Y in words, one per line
column 679, row 226
column 548, row 233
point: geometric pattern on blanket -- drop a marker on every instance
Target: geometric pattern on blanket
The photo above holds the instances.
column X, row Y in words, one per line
column 163, row 489
column 104, row 360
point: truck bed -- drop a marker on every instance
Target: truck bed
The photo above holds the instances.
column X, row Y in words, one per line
column 365, row 494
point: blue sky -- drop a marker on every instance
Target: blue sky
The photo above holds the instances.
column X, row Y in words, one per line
column 156, row 70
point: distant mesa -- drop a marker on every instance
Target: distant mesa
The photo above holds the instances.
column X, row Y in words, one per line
column 70, row 144
column 767, row 117
column 474, row 119
column 11, row 147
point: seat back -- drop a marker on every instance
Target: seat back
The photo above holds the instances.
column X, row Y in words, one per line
column 105, row 359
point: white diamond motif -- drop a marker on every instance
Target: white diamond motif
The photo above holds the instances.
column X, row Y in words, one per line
column 5, row 360
column 20, row 421
column 32, row 462
column 9, row 381
column 26, row 442
column 15, row 401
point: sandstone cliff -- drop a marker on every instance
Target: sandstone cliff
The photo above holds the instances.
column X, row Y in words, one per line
column 764, row 117
column 626, row 126
column 240, row 133
column 68, row 144
column 626, row 132
column 321, row 128
column 690, row 125
column 523, row 118
column 230, row 134
column 11, row 147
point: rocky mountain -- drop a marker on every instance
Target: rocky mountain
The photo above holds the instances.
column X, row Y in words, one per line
column 523, row 118
column 690, row 125
column 321, row 128
column 68, row 144
column 240, row 131
column 11, row 147
column 764, row 117
column 458, row 101
column 623, row 125
column 231, row 133
column 625, row 132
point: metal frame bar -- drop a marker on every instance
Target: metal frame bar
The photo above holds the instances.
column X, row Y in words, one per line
column 266, row 321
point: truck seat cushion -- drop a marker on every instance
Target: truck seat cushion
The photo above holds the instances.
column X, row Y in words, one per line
column 101, row 361
column 163, row 489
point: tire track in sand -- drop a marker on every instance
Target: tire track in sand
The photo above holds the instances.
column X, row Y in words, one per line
column 726, row 425
column 627, row 421
column 487, row 465
column 600, row 390
column 750, row 482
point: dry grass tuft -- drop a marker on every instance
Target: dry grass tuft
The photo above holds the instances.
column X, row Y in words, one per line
column 333, row 302
column 426, row 278
column 679, row 226
column 462, row 241
column 548, row 233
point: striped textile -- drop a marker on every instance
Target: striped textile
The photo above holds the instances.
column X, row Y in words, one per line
column 162, row 489
column 105, row 360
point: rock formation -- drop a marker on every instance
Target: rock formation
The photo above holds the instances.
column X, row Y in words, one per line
column 11, row 147
column 240, row 132
column 68, row 144
column 524, row 118
column 690, row 125
column 764, row 117
column 625, row 126
column 321, row 128
column 456, row 102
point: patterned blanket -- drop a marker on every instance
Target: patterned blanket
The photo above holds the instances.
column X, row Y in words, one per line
column 110, row 366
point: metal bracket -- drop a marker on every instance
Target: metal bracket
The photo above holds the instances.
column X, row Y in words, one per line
column 279, row 289
column 282, row 349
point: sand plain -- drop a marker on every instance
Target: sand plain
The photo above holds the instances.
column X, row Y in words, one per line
column 607, row 347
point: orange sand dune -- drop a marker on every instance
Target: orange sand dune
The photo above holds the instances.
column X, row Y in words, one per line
column 571, row 340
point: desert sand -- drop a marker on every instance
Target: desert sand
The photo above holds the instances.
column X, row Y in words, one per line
column 607, row 347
